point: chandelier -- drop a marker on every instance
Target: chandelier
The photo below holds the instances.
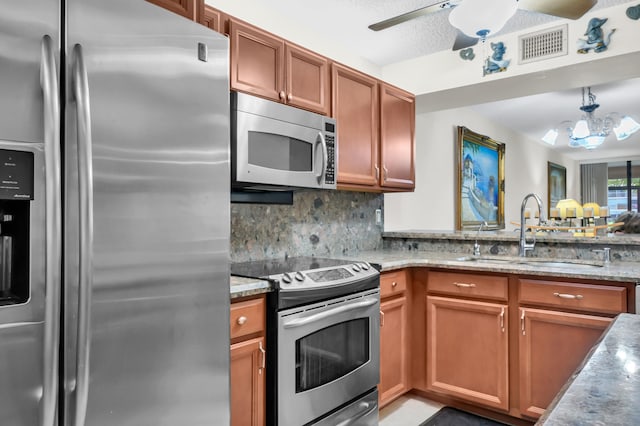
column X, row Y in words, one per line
column 590, row 131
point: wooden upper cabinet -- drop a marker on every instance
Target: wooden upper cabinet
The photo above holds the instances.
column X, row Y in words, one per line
column 257, row 61
column 397, row 137
column 190, row 9
column 266, row 65
column 355, row 108
column 213, row 18
column 307, row 79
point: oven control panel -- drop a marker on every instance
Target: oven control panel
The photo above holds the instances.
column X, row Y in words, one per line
column 324, row 277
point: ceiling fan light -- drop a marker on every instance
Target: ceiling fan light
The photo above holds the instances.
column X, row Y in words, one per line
column 627, row 127
column 482, row 18
column 550, row 137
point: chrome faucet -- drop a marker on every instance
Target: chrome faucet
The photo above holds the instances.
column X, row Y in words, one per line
column 526, row 246
column 476, row 246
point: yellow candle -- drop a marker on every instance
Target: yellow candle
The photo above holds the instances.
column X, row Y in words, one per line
column 527, row 213
column 571, row 212
column 587, row 212
column 554, row 212
column 604, row 211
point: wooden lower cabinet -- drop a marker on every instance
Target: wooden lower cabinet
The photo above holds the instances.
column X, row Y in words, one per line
column 248, row 381
column 552, row 345
column 467, row 350
column 394, row 349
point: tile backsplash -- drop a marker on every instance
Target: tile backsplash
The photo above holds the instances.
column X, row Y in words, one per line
column 319, row 223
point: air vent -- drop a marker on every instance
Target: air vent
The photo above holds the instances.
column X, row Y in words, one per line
column 543, row 45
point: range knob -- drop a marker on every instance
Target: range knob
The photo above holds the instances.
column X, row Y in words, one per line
column 365, row 266
column 286, row 278
column 355, row 267
column 299, row 276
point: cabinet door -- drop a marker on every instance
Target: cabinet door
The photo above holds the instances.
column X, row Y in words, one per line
column 467, row 350
column 552, row 345
column 248, row 383
column 257, row 61
column 394, row 360
column 213, row 19
column 307, row 79
column 190, row 9
column 355, row 108
column 397, row 137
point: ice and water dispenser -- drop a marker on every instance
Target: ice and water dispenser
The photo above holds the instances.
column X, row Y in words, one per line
column 16, row 195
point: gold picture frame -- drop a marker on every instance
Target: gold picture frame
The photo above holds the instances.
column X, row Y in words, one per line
column 556, row 185
column 480, row 181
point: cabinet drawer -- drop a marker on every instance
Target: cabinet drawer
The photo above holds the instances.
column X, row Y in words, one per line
column 393, row 283
column 247, row 317
column 583, row 297
column 472, row 285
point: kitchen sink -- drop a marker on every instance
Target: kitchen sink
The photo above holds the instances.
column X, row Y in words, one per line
column 530, row 262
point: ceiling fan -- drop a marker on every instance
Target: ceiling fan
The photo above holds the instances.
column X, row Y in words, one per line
column 476, row 20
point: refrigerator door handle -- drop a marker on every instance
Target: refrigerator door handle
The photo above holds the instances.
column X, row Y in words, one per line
column 51, row 104
column 80, row 94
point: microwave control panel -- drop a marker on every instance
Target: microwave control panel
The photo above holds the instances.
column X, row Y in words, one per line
column 330, row 139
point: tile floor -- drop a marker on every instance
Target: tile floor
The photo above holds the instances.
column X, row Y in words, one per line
column 408, row 410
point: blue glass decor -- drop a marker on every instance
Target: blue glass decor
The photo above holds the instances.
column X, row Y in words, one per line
column 467, row 54
column 596, row 40
column 634, row 12
column 496, row 63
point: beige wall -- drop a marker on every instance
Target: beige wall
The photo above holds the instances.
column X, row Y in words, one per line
column 432, row 205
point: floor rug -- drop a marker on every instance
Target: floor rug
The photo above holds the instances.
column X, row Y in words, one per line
column 448, row 416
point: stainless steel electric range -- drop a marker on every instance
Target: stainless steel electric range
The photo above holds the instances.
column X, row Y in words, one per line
column 323, row 340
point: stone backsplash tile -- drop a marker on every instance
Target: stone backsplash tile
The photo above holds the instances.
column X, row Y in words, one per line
column 319, row 223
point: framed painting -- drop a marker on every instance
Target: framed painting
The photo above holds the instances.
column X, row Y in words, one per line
column 556, row 185
column 480, row 181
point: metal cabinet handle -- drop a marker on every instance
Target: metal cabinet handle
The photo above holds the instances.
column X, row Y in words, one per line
column 381, row 319
column 53, row 229
column 289, row 97
column 80, row 93
column 241, row 320
column 568, row 296
column 394, row 284
column 522, row 323
column 464, row 285
column 377, row 172
column 502, row 320
column 281, row 95
column 385, row 173
column 263, row 354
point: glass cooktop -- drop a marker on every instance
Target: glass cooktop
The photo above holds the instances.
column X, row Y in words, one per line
column 268, row 267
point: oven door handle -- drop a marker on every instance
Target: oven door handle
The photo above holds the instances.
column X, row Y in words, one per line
column 367, row 409
column 299, row 322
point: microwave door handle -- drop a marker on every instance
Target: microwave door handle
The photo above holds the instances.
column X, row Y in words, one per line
column 50, row 93
column 299, row 322
column 85, row 177
column 325, row 156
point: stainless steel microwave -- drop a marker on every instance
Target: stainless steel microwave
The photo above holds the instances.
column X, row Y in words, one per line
column 279, row 147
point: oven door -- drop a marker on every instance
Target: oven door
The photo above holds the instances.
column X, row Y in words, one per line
column 328, row 354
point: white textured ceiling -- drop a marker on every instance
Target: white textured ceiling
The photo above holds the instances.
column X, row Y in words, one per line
column 346, row 22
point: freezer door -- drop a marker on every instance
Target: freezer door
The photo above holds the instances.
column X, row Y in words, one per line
column 147, row 218
column 23, row 25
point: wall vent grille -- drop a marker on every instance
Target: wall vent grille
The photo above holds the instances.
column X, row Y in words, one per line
column 542, row 45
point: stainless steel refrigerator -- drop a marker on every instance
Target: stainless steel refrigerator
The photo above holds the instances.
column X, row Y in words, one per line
column 114, row 216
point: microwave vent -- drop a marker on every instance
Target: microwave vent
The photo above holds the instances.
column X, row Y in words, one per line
column 541, row 45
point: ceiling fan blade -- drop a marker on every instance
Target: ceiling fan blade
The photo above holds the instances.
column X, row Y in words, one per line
column 412, row 15
column 463, row 41
column 570, row 9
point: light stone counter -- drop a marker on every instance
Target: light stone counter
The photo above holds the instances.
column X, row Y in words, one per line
column 605, row 389
column 243, row 287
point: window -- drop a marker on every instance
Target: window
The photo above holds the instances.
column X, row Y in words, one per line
column 623, row 185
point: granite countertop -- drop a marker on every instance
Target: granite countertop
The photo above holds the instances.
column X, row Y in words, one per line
column 390, row 260
column 604, row 390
